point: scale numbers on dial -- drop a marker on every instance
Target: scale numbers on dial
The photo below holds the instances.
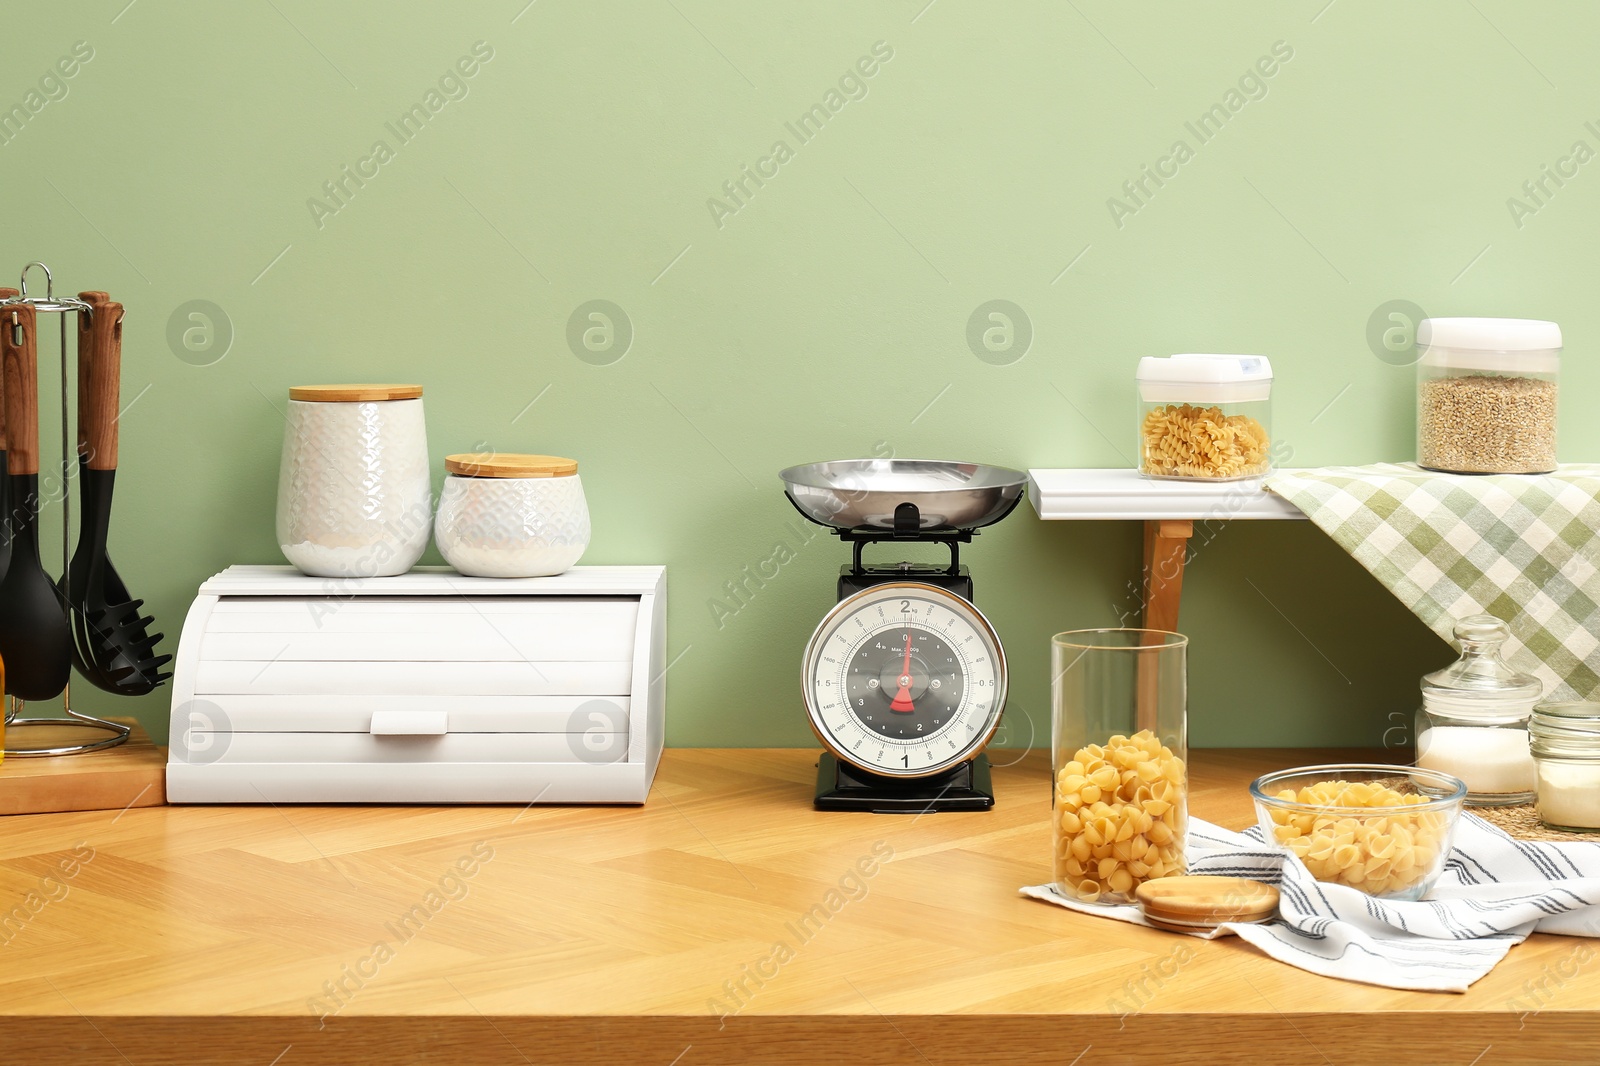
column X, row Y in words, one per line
column 921, row 676
column 934, row 683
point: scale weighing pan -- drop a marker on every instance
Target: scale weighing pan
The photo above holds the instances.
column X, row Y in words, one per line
column 872, row 493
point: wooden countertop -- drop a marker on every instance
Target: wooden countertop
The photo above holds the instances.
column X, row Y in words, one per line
column 619, row 935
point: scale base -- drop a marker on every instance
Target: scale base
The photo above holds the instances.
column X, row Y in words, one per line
column 841, row 787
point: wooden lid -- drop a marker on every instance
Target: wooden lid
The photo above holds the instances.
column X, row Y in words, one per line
column 1205, row 901
column 354, row 393
column 497, row 464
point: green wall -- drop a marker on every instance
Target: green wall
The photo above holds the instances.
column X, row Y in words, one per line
column 827, row 316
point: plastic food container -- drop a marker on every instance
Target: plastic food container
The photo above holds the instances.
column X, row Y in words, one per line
column 512, row 515
column 1120, row 754
column 1205, row 417
column 1566, row 752
column 354, row 495
column 1474, row 717
column 1384, row 830
column 1486, row 395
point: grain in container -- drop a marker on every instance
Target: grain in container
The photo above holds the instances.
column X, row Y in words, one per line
column 1486, row 395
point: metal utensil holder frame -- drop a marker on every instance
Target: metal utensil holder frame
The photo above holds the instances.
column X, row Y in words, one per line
column 61, row 306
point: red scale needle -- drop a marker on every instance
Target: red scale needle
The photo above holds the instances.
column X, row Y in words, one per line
column 902, row 699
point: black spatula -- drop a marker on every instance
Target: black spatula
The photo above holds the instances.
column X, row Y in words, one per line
column 35, row 635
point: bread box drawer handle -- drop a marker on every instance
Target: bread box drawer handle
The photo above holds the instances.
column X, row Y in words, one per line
column 410, row 723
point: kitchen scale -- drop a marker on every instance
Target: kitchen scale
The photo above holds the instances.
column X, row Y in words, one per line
column 904, row 679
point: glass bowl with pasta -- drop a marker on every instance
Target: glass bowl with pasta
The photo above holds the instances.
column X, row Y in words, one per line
column 1385, row 830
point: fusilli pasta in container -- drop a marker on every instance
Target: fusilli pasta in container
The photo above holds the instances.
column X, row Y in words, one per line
column 1205, row 417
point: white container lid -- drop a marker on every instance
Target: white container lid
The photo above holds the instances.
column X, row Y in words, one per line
column 1526, row 345
column 1198, row 378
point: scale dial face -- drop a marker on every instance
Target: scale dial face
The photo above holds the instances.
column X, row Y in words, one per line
column 904, row 680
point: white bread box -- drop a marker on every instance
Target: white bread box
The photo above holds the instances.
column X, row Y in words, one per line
column 429, row 687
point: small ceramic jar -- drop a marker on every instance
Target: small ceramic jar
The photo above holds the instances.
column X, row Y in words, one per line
column 354, row 493
column 511, row 515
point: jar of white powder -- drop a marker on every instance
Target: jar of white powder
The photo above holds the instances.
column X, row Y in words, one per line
column 1474, row 717
column 1566, row 750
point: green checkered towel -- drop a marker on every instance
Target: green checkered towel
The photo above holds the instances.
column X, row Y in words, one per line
column 1522, row 547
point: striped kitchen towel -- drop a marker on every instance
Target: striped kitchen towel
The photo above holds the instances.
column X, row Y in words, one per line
column 1495, row 890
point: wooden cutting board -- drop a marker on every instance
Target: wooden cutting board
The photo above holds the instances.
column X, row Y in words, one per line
column 133, row 774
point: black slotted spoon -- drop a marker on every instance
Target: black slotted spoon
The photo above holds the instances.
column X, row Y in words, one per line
column 35, row 635
column 5, row 495
column 113, row 647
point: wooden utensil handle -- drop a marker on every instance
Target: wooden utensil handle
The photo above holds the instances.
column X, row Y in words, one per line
column 5, row 294
column 95, row 300
column 99, row 379
column 19, row 358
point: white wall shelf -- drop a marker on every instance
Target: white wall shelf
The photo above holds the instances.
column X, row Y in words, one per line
column 1168, row 509
column 1125, row 495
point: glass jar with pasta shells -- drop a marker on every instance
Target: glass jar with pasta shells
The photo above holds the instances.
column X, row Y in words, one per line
column 1205, row 417
column 1119, row 740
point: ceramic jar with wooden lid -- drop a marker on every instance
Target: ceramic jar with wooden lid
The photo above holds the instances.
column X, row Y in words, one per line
column 354, row 496
column 511, row 515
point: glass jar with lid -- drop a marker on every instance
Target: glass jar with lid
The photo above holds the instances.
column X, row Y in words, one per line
column 1474, row 717
column 1486, row 395
column 1566, row 752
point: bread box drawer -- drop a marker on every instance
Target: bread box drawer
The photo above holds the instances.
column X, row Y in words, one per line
column 424, row 688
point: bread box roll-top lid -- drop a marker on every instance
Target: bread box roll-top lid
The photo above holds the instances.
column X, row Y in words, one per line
column 506, row 465
column 1200, row 378
column 354, row 393
column 1505, row 345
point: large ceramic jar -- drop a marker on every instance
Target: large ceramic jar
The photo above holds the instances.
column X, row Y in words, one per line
column 354, row 498
column 512, row 515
